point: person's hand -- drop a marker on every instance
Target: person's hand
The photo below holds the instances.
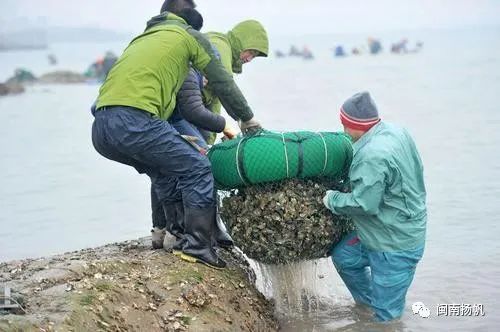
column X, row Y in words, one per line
column 229, row 132
column 249, row 127
column 326, row 199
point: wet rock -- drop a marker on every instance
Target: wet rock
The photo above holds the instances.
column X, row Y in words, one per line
column 283, row 222
column 10, row 89
column 52, row 275
column 4, row 89
column 159, row 292
column 57, row 290
column 61, row 77
column 197, row 296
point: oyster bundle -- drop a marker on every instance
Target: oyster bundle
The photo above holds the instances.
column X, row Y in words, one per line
column 283, row 222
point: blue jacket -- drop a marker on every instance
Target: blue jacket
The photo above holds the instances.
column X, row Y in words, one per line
column 191, row 108
column 387, row 201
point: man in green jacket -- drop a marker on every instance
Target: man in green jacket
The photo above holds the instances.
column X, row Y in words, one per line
column 246, row 41
column 139, row 94
column 387, row 204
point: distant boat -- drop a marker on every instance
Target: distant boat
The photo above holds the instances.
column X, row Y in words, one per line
column 28, row 39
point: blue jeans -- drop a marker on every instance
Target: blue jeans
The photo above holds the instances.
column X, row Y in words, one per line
column 183, row 127
column 377, row 279
column 152, row 146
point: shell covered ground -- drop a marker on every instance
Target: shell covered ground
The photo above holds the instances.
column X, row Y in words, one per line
column 129, row 287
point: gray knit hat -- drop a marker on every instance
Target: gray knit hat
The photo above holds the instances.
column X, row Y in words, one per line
column 359, row 112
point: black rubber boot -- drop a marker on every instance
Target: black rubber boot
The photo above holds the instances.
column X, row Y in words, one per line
column 174, row 213
column 177, row 247
column 158, row 217
column 198, row 234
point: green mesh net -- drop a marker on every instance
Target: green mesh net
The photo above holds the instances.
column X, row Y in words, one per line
column 271, row 187
column 272, row 156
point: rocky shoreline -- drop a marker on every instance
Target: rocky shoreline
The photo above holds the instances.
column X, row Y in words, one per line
column 17, row 83
column 129, row 287
column 11, row 89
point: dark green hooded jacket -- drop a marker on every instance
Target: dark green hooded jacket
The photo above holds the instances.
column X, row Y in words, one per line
column 246, row 35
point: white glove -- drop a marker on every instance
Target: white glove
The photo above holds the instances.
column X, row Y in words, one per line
column 326, row 199
column 249, row 127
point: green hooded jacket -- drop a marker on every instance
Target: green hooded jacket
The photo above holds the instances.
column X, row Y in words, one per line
column 247, row 35
column 153, row 67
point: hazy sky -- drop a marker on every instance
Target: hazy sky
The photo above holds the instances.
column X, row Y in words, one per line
column 281, row 17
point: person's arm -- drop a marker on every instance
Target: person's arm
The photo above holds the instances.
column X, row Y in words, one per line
column 368, row 180
column 223, row 52
column 216, row 107
column 221, row 82
column 192, row 109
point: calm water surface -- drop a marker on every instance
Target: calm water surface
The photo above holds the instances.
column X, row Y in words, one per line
column 57, row 194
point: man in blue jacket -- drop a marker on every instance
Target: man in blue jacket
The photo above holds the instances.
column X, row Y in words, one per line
column 387, row 204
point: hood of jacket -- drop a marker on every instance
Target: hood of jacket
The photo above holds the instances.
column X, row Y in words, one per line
column 247, row 35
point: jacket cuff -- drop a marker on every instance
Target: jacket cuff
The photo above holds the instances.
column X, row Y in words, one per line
column 332, row 195
column 221, row 124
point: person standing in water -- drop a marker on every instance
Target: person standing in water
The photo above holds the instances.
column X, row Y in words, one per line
column 377, row 262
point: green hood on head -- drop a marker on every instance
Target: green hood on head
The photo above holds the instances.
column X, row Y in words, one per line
column 247, row 35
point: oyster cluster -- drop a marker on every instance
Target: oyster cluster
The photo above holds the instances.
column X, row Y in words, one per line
column 284, row 222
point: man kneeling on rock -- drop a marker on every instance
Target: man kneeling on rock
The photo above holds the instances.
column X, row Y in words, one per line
column 387, row 204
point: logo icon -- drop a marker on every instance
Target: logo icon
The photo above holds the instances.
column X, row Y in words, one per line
column 420, row 309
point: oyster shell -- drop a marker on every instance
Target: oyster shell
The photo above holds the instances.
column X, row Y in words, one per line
column 283, row 222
